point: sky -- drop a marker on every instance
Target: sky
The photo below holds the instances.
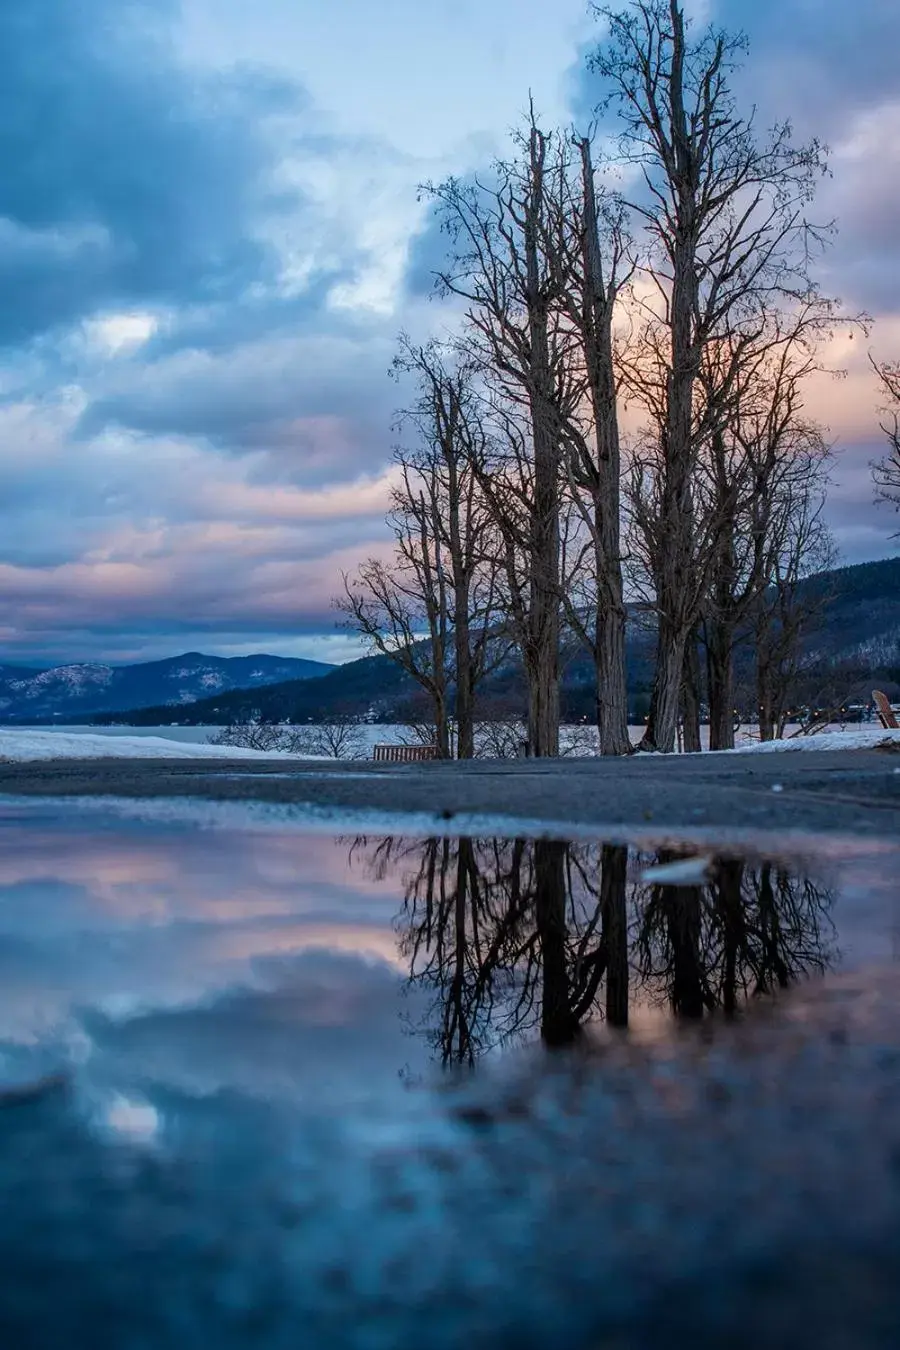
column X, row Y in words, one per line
column 211, row 236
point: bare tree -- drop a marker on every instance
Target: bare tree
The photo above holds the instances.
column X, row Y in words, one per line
column 595, row 271
column 887, row 471
column 792, row 606
column 435, row 608
column 500, row 737
column 725, row 221
column 763, row 459
column 513, row 937
column 748, row 932
column 448, row 458
column 266, row 737
column 400, row 608
column 506, row 267
column 328, row 740
column 341, row 739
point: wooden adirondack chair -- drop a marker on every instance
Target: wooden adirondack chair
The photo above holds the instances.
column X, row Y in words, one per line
column 885, row 711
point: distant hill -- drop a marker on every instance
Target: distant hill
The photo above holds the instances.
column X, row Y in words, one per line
column 74, row 692
column 862, row 622
column 350, row 690
column 860, row 637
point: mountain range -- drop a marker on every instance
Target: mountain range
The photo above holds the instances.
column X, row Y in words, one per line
column 74, row 692
column 857, row 640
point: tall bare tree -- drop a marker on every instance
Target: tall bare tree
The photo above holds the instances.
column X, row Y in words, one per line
column 449, row 457
column 763, row 459
column 434, row 608
column 505, row 266
column 595, row 270
column 793, row 604
column 887, row 471
column 725, row 219
column 400, row 608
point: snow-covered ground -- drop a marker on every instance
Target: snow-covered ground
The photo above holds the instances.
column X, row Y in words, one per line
column 32, row 744
column 854, row 738
column 25, row 743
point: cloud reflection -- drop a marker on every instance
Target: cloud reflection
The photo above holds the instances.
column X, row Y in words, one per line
column 296, row 966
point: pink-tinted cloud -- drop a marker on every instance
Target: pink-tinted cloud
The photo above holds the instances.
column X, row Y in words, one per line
column 203, row 281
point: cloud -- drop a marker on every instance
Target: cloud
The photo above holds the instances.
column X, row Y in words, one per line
column 127, row 179
column 195, row 412
column 263, row 965
column 326, row 1022
column 204, row 271
column 290, row 396
column 818, row 63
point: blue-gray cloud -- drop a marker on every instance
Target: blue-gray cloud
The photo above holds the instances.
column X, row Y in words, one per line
column 824, row 67
column 273, row 393
column 126, row 178
column 817, row 63
column 269, row 966
column 194, row 199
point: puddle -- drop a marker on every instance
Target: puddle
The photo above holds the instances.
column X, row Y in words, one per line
column 313, row 967
column 348, row 1078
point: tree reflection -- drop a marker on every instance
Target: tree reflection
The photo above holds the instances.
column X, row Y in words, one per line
column 750, row 930
column 514, row 939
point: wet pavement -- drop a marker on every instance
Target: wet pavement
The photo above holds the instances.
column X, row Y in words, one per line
column 854, row 793
column 266, row 1087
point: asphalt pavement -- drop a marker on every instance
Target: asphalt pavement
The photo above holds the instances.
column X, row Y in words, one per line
column 849, row 793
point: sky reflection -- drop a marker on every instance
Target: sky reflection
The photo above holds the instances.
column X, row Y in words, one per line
column 300, row 966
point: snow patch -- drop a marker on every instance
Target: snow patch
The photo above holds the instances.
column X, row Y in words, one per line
column 72, row 678
column 22, row 745
column 862, row 738
column 684, row 872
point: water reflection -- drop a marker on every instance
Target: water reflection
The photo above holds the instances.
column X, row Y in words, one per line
column 284, row 964
column 515, row 939
column 750, row 931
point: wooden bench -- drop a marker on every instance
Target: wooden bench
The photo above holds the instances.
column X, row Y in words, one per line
column 885, row 711
column 404, row 754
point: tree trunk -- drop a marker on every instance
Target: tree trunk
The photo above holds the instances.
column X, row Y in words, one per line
column 464, row 701
column 544, row 599
column 613, row 879
column 732, row 918
column 675, row 600
column 597, row 311
column 720, row 677
column 457, row 1042
column 441, row 726
column 765, row 693
column 544, row 606
column 662, row 724
column 559, row 1026
column 682, row 904
column 543, row 702
column 462, row 650
column 673, row 568
column 690, row 697
column 726, row 608
column 609, row 660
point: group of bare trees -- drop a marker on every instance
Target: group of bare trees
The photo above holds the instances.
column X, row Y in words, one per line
column 661, row 265
column 341, row 739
